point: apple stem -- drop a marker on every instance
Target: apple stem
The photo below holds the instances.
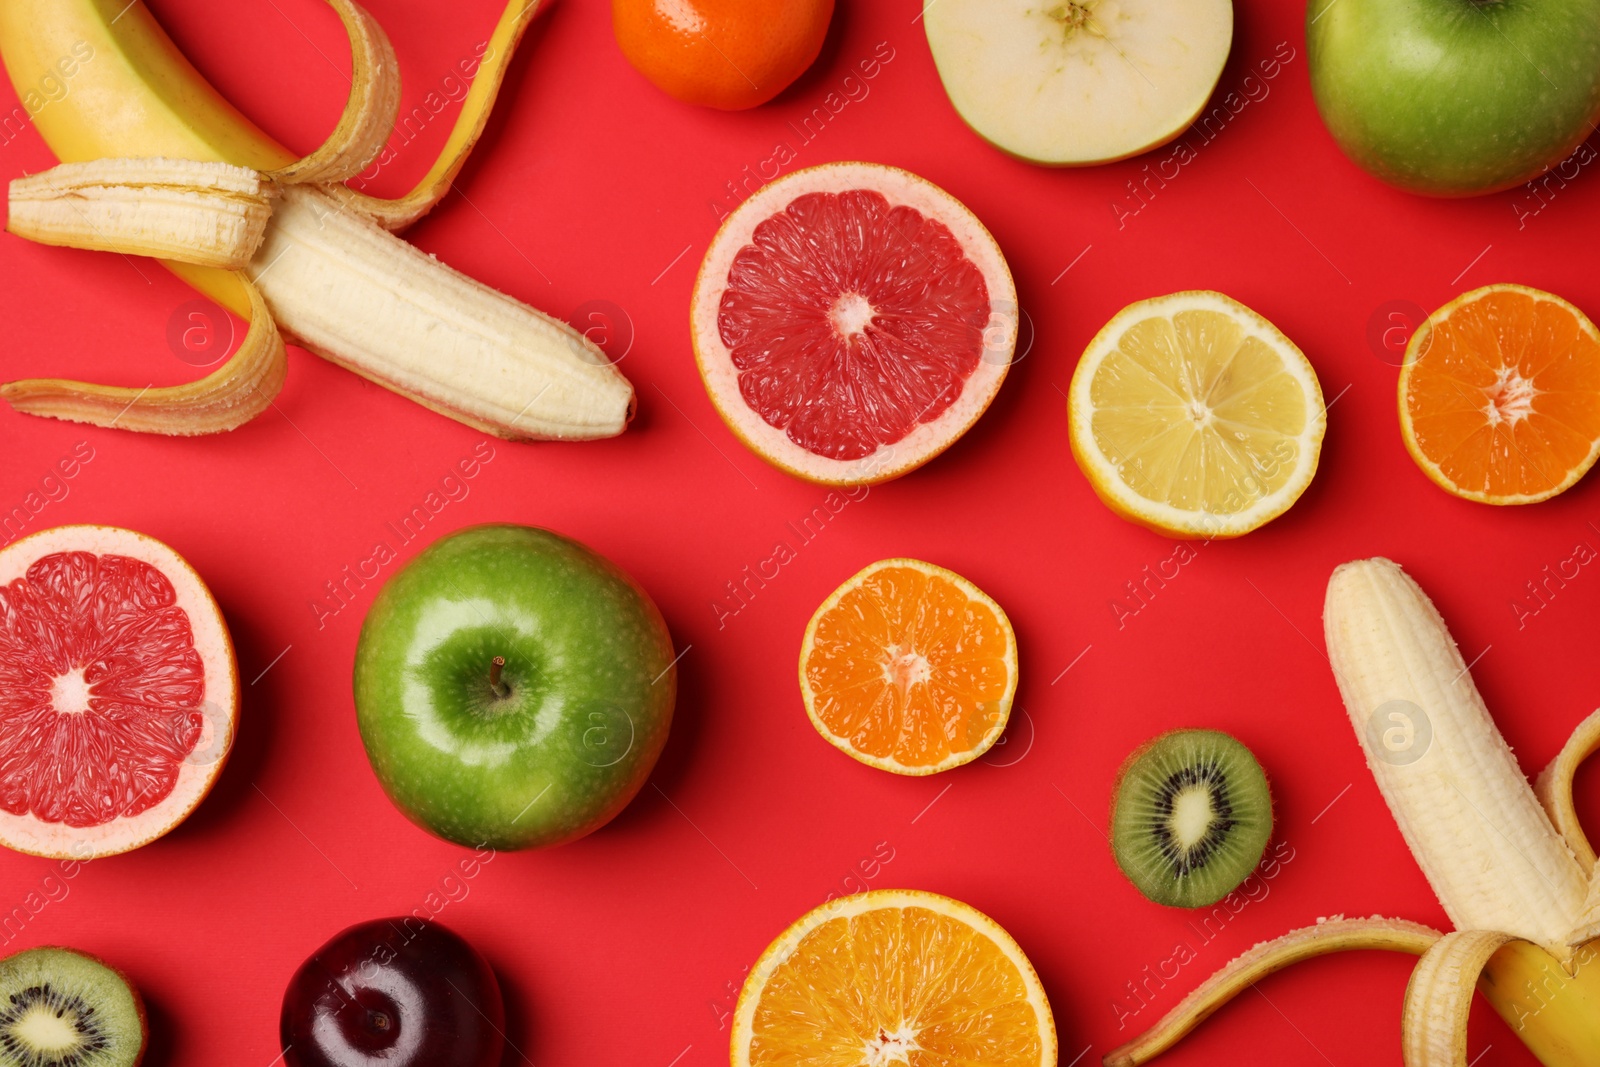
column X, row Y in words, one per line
column 500, row 688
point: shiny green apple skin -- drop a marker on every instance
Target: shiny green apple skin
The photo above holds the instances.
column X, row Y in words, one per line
column 588, row 688
column 1456, row 97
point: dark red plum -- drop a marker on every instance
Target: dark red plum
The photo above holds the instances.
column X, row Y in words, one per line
column 393, row 993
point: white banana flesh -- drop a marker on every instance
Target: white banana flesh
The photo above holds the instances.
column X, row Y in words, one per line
column 354, row 293
column 209, row 214
column 1463, row 804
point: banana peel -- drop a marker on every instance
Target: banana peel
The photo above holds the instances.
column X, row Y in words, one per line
column 1510, row 864
column 327, row 268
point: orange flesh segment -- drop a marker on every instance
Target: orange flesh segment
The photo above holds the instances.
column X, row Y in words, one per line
column 907, row 667
column 1505, row 398
column 895, row 985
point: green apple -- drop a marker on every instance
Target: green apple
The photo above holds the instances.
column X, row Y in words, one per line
column 513, row 688
column 1456, row 97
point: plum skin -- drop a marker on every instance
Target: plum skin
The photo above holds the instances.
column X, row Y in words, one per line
column 395, row 992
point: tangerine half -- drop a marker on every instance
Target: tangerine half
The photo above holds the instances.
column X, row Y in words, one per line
column 909, row 668
column 1500, row 395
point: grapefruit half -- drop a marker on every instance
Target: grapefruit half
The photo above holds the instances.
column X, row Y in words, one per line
column 852, row 320
column 119, row 693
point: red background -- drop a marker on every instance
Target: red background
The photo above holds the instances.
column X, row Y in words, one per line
column 628, row 947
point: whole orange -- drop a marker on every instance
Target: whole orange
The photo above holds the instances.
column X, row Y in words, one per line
column 728, row 54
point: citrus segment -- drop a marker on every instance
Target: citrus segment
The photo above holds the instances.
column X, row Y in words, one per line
column 1195, row 416
column 1500, row 395
column 909, row 667
column 118, row 691
column 851, row 321
column 893, row 976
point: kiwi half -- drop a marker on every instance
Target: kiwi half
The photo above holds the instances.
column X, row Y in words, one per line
column 1190, row 818
column 60, row 1008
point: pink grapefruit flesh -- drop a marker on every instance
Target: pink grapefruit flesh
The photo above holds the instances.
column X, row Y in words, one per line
column 119, row 694
column 851, row 321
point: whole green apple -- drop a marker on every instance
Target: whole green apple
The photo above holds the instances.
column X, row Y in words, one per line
column 1456, row 97
column 513, row 688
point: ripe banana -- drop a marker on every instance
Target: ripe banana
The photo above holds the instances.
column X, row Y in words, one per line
column 1516, row 878
column 325, row 268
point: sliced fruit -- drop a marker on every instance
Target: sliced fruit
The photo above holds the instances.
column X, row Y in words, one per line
column 119, row 694
column 1504, row 873
column 893, row 976
column 210, row 214
column 1194, row 416
column 728, row 54
column 909, row 668
column 851, row 321
column 61, row 1008
column 1190, row 818
column 1078, row 81
column 1500, row 395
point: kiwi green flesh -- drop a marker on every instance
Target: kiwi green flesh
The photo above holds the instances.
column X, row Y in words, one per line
column 1191, row 817
column 60, row 1008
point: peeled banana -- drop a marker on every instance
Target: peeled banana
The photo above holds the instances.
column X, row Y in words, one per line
column 278, row 239
column 1516, row 877
column 209, row 214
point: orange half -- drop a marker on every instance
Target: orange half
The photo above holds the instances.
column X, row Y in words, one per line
column 909, row 667
column 894, row 976
column 1500, row 395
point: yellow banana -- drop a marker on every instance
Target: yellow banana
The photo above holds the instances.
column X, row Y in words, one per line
column 327, row 269
column 1516, row 878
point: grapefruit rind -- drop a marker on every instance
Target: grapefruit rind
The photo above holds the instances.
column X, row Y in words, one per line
column 196, row 776
column 1417, row 348
column 928, row 439
column 1003, row 705
column 787, row 942
column 1159, row 516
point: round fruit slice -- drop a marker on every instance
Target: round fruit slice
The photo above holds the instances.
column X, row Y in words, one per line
column 1194, row 416
column 1500, row 395
column 1080, row 81
column 893, row 976
column 909, row 668
column 851, row 321
column 119, row 694
column 60, row 1008
column 1191, row 817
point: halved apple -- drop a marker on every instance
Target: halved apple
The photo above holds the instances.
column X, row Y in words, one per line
column 1078, row 82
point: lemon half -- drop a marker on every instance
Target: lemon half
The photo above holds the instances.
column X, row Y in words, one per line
column 1193, row 415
